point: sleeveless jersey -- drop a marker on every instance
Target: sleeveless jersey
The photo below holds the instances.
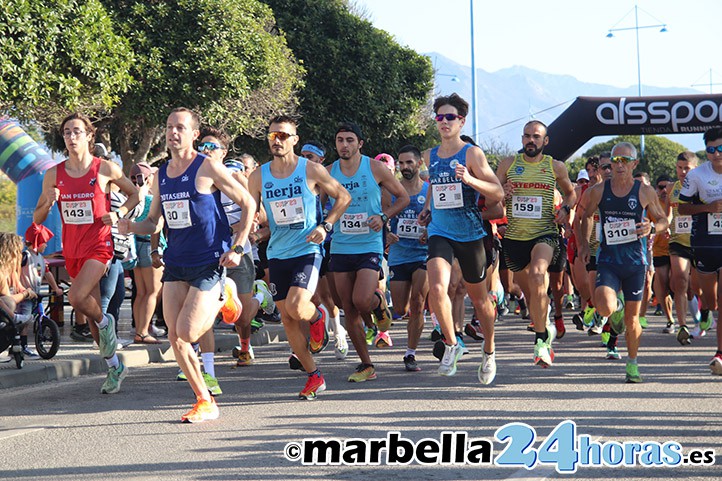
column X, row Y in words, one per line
column 455, row 214
column 703, row 186
column 82, row 204
column 292, row 212
column 406, row 226
column 197, row 228
column 618, row 217
column 233, row 212
column 351, row 234
column 531, row 207
column 681, row 225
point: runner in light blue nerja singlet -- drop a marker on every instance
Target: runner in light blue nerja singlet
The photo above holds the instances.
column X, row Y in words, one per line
column 292, row 212
column 351, row 234
column 453, row 203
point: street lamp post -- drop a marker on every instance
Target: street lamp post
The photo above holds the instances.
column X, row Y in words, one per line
column 473, row 74
column 636, row 29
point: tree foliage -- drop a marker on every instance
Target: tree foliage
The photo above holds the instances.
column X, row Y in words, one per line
column 660, row 153
column 355, row 72
column 222, row 58
column 58, row 56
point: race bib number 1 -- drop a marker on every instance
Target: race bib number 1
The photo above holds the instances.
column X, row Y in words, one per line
column 354, row 224
column 447, row 196
column 177, row 214
column 621, row 232
column 526, row 207
column 78, row 212
column 714, row 224
column 683, row 224
column 288, row 211
column 409, row 229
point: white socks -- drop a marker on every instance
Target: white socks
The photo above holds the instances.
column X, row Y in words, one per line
column 208, row 359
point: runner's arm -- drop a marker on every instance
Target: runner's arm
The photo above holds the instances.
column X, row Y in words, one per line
column 593, row 196
column 481, row 178
column 567, row 188
column 48, row 197
column 388, row 181
column 654, row 208
column 151, row 224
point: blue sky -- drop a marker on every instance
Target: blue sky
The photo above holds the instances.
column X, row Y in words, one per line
column 566, row 36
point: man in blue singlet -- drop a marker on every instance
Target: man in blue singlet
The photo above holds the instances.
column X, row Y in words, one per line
column 357, row 244
column 288, row 186
column 623, row 203
column 458, row 173
column 199, row 246
column 408, row 252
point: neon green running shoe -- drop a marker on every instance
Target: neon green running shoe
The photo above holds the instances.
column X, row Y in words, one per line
column 212, row 384
column 633, row 376
column 371, row 335
column 588, row 317
column 107, row 340
column 706, row 323
column 643, row 322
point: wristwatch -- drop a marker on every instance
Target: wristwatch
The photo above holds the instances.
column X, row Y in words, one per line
column 384, row 217
column 238, row 249
column 327, row 226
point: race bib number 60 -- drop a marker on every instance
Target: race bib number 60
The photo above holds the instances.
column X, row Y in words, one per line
column 177, row 213
column 621, row 232
column 78, row 212
column 683, row 224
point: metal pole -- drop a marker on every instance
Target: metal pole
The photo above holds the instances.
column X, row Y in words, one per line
column 639, row 76
column 473, row 74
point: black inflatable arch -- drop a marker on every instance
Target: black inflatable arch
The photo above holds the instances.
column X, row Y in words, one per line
column 589, row 117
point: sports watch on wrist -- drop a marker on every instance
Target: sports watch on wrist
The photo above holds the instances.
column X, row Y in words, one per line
column 238, row 249
column 327, row 226
column 384, row 217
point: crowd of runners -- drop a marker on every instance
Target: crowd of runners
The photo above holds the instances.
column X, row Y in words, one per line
column 351, row 237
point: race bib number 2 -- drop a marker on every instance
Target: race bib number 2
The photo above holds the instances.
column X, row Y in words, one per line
column 78, row 212
column 288, row 211
column 447, row 196
column 177, row 214
column 621, row 232
column 714, row 224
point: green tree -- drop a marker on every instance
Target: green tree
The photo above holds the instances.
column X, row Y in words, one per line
column 355, row 72
column 222, row 58
column 660, row 153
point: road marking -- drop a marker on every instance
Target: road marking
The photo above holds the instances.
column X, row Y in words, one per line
column 11, row 433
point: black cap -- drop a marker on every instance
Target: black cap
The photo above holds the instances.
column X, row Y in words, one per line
column 350, row 127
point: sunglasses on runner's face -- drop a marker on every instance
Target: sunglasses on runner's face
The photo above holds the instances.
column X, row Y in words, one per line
column 282, row 136
column 712, row 150
column 661, row 186
column 622, row 159
column 208, row 147
column 448, row 117
column 606, row 167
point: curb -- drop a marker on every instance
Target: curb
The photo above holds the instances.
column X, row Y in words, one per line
column 92, row 363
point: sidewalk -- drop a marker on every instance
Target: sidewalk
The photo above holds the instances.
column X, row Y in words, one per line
column 79, row 358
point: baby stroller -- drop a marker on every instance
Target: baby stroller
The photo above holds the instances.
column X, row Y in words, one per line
column 10, row 337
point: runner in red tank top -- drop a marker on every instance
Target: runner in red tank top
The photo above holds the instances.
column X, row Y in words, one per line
column 80, row 186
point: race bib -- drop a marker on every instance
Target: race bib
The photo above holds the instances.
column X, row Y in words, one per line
column 526, row 206
column 621, row 232
column 447, row 196
column 714, row 224
column 354, row 224
column 177, row 213
column 288, row 211
column 409, row 229
column 683, row 224
column 79, row 212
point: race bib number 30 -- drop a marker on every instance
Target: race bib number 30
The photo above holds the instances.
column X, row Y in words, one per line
column 683, row 224
column 526, row 207
column 621, row 232
column 354, row 224
column 447, row 196
column 177, row 214
column 409, row 229
column 78, row 212
column 714, row 224
column 288, row 211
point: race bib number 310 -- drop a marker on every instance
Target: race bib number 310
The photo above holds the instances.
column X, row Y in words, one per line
column 177, row 213
column 621, row 232
column 78, row 212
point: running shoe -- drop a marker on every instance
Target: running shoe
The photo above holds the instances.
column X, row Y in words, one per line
column 530, row 327
column 715, row 364
column 588, row 317
column 267, row 305
column 524, row 313
column 81, row 333
column 452, row 354
column 319, row 334
column 256, row 325
column 410, row 363
column 706, row 324
column 244, row 358
column 643, row 322
column 669, row 328
column 697, row 332
column 108, row 341
column 294, row 363
column 460, row 340
column 613, row 354
column 658, row 311
column 29, row 353
column 113, row 379
column 212, row 384
column 578, row 321
column 181, row 376
column 616, row 321
column 201, row 411
column 598, row 326
column 559, row 324
column 439, row 349
column 487, row 368
column 683, row 336
column 436, row 333
column 340, row 349
column 632, row 375
column 364, row 372
column 473, row 330
column 314, row 385
column 370, row 334
column 231, row 308
column 543, row 354
column 605, row 338
column 155, row 331
column 503, row 308
column 382, row 312
column 383, row 340
column 569, row 301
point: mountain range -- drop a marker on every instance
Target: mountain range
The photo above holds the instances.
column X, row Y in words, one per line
column 510, row 97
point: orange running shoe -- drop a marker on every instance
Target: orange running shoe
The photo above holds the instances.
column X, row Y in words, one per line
column 314, row 385
column 319, row 335
column 231, row 309
column 201, row 411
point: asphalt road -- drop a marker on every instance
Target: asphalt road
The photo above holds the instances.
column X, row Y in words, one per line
column 67, row 430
